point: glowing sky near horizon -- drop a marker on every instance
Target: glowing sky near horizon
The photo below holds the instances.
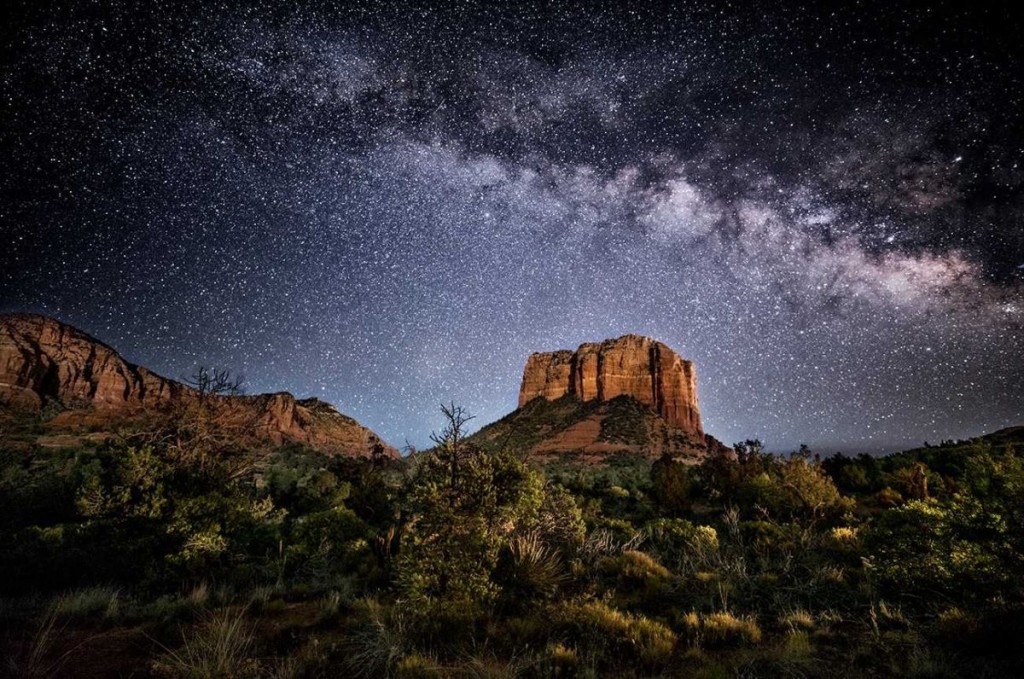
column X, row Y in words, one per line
column 389, row 208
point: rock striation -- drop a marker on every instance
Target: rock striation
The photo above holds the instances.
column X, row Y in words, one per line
column 634, row 366
column 44, row 361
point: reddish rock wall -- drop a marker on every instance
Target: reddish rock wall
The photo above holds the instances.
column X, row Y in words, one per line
column 634, row 366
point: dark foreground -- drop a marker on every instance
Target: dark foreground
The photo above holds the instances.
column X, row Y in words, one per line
column 186, row 552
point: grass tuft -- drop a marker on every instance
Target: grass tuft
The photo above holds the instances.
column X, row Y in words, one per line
column 376, row 647
column 217, row 648
column 93, row 602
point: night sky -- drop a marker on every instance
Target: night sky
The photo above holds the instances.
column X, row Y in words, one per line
column 389, row 206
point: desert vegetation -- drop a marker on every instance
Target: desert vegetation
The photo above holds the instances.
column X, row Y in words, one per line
column 184, row 552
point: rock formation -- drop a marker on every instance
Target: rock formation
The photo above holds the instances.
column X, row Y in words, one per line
column 43, row 361
column 630, row 395
column 634, row 366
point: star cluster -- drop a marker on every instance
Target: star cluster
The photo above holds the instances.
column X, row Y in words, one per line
column 389, row 206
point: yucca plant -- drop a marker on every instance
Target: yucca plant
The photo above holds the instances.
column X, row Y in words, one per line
column 529, row 568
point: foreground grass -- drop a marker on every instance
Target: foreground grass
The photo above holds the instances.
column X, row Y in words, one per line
column 325, row 637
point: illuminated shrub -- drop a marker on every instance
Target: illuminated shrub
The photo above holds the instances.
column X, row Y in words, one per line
column 617, row 636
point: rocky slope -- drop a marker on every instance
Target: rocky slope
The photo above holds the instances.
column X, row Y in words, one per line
column 46, row 363
column 630, row 395
column 591, row 431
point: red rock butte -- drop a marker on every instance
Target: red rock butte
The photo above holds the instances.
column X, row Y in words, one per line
column 632, row 365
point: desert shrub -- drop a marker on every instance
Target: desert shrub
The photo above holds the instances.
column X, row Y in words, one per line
column 635, row 569
column 140, row 517
column 449, row 572
column 207, row 531
column 636, row 579
column 560, row 521
column 954, row 547
column 306, row 488
column 799, row 488
column 888, row 498
column 672, row 485
column 853, row 478
column 681, row 544
column 599, row 543
column 794, row 488
column 622, row 530
column 770, row 537
column 327, row 543
column 615, row 636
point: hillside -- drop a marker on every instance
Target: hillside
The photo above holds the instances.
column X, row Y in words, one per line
column 589, row 431
column 60, row 386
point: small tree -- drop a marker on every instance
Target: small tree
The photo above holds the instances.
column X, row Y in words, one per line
column 198, row 430
column 449, row 444
column 463, row 506
column 672, row 483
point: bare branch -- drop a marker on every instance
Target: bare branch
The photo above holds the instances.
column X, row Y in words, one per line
column 215, row 382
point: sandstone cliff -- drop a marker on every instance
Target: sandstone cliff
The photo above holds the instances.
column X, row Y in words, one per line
column 634, row 366
column 630, row 395
column 43, row 361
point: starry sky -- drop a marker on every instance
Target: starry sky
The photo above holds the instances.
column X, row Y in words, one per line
column 388, row 206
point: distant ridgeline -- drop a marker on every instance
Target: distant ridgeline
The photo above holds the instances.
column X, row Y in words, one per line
column 90, row 389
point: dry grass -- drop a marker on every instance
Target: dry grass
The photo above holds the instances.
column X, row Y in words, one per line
column 605, row 626
column 37, row 660
column 219, row 647
column 720, row 629
column 416, row 666
column 377, row 646
column 798, row 619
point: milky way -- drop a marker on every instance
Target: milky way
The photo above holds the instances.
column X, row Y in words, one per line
column 389, row 206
